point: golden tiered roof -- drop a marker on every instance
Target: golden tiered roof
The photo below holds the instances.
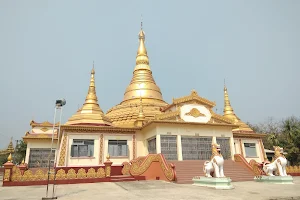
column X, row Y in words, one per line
column 229, row 114
column 90, row 113
column 142, row 86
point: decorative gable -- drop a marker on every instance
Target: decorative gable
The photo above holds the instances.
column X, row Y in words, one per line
column 192, row 108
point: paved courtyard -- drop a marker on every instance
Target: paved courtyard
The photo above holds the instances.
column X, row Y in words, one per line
column 157, row 190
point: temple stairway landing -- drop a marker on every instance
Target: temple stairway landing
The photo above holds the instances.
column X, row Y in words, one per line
column 187, row 169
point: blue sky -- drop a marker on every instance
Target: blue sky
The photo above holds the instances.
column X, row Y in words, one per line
column 47, row 49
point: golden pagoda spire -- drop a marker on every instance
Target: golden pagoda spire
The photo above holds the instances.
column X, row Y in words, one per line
column 90, row 112
column 229, row 114
column 10, row 147
column 228, row 110
column 142, row 75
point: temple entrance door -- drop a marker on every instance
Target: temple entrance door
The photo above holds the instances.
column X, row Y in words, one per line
column 196, row 148
column 225, row 147
column 169, row 146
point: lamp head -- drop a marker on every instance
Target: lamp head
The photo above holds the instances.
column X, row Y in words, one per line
column 60, row 102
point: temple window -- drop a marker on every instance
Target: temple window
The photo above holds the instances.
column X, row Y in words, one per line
column 118, row 148
column 82, row 148
column 38, row 157
column 169, row 146
column 250, row 149
column 152, row 145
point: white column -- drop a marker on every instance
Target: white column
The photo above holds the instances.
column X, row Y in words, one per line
column 232, row 147
column 158, row 146
column 179, row 147
column 27, row 154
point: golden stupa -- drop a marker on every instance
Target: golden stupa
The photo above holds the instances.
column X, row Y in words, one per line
column 142, row 98
column 229, row 114
column 90, row 113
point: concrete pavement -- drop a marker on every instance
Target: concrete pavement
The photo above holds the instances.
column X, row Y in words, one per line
column 158, row 190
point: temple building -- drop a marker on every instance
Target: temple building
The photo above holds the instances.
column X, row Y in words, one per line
column 141, row 124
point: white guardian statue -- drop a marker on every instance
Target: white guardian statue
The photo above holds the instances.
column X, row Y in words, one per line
column 278, row 164
column 215, row 165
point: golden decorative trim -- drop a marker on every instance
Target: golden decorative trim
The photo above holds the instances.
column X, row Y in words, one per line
column 71, row 174
column 293, row 169
column 183, row 122
column 97, row 129
column 41, row 175
column 101, row 149
column 194, row 96
column 44, row 129
column 221, row 118
column 43, row 124
column 91, row 173
column 126, row 168
column 100, row 173
column 194, row 112
column 63, row 149
column 81, row 174
column 248, row 135
column 6, row 175
column 141, row 164
column 257, row 171
column 61, row 174
column 107, row 171
column 241, row 146
column 167, row 115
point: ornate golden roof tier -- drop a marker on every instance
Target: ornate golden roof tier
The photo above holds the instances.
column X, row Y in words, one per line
column 229, row 114
column 90, row 113
column 142, row 93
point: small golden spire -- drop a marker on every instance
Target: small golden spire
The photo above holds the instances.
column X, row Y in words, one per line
column 90, row 112
column 10, row 147
column 23, row 161
column 9, row 158
column 142, row 49
column 229, row 113
column 107, row 157
column 228, row 110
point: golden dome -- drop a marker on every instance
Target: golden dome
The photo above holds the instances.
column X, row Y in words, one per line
column 229, row 114
column 142, row 86
column 90, row 113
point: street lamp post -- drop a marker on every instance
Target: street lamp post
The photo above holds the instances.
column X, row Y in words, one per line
column 58, row 106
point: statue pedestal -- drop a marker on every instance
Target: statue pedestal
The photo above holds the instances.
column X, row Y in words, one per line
column 275, row 179
column 217, row 183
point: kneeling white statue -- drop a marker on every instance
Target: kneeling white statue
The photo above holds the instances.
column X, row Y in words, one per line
column 279, row 163
column 215, row 165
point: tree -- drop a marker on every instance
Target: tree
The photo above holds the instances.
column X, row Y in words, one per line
column 20, row 152
column 291, row 139
column 3, row 159
column 284, row 133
